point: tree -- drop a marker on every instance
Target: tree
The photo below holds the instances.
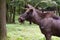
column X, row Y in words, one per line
column 58, row 6
column 2, row 19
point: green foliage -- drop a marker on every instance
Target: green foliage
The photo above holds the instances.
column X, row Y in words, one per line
column 57, row 1
column 19, row 4
column 47, row 3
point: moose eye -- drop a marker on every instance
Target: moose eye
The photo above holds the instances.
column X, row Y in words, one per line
column 30, row 12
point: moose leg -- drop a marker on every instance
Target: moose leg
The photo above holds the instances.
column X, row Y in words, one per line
column 30, row 22
column 48, row 37
column 48, row 33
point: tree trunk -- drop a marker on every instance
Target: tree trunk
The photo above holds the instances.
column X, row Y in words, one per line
column 59, row 10
column 2, row 19
column 13, row 15
column 10, row 15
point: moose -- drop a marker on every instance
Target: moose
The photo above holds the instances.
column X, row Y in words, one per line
column 48, row 23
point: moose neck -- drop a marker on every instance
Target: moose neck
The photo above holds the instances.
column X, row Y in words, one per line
column 36, row 18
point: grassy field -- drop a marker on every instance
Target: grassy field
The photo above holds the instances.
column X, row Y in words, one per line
column 25, row 32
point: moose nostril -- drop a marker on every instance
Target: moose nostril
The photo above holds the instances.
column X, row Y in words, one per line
column 20, row 19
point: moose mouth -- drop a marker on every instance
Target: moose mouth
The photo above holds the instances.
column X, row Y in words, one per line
column 21, row 20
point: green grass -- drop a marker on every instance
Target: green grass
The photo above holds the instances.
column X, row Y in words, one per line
column 25, row 32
